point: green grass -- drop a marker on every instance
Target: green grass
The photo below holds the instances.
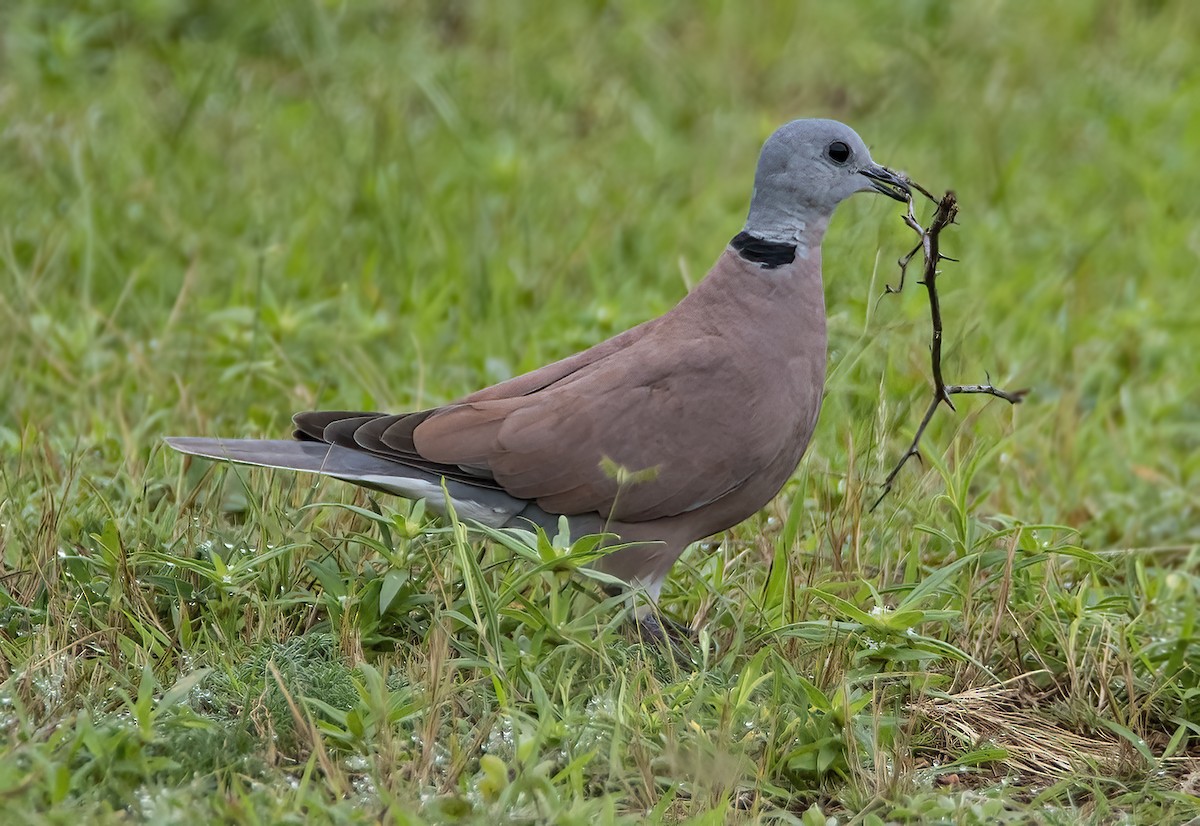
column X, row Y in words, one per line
column 213, row 214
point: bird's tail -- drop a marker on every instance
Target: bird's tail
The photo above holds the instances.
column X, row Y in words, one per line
column 307, row 457
column 486, row 505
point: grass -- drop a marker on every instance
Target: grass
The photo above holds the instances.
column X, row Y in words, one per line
column 214, row 214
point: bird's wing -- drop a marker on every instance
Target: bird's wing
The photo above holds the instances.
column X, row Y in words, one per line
column 557, row 371
column 679, row 414
column 390, row 436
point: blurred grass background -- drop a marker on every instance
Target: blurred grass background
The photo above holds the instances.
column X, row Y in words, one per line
column 213, row 214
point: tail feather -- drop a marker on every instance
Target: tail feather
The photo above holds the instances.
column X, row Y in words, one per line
column 483, row 504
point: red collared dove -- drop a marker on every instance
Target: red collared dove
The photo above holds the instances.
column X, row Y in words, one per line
column 715, row 401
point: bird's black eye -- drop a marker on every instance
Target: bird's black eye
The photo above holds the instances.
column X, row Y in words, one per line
column 838, row 152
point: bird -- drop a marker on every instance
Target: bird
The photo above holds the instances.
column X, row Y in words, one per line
column 664, row 435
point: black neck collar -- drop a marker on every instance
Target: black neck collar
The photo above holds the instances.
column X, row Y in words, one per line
column 767, row 254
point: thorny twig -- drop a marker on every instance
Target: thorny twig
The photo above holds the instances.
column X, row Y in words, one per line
column 929, row 244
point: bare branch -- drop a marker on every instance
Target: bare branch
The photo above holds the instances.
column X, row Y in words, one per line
column 1010, row 396
column 903, row 262
column 920, row 188
column 929, row 244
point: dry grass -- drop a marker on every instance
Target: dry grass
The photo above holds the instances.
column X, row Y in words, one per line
column 1034, row 749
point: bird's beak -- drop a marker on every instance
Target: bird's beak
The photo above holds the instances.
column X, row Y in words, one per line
column 886, row 181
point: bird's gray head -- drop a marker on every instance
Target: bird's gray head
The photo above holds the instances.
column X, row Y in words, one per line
column 805, row 170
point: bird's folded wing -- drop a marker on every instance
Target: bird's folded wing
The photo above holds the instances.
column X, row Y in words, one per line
column 565, row 368
column 390, row 436
column 681, row 421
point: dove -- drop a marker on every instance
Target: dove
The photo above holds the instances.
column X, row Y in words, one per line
column 666, row 434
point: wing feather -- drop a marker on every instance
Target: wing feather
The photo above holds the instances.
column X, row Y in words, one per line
column 650, row 415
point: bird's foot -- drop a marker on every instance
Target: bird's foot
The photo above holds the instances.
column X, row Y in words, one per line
column 650, row 627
